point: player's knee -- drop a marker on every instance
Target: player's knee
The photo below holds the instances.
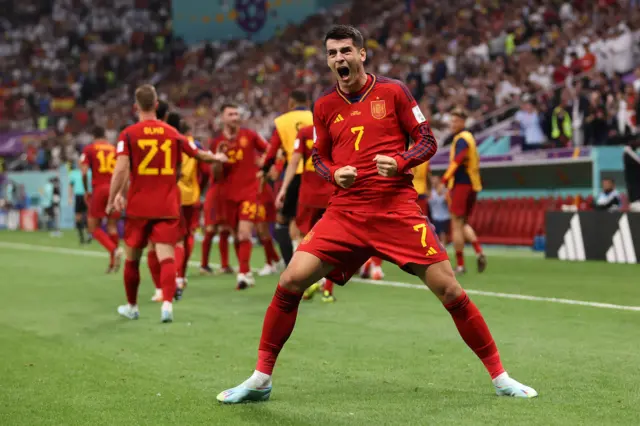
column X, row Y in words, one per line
column 209, row 228
column 451, row 291
column 292, row 280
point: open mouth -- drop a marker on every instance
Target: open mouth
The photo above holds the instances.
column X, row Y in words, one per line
column 343, row 72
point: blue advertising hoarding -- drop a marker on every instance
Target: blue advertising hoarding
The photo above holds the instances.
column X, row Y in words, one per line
column 257, row 20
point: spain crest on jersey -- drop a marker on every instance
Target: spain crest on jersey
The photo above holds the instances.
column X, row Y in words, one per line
column 378, row 109
column 244, row 141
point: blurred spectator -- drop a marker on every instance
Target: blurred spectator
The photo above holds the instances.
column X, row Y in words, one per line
column 609, row 198
column 528, row 118
column 561, row 124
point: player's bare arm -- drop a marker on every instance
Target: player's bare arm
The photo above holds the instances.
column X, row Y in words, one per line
column 118, row 180
column 84, row 169
column 290, row 173
column 210, row 157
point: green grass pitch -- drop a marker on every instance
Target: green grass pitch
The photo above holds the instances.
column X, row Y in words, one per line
column 382, row 355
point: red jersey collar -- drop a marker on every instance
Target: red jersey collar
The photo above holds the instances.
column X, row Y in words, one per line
column 366, row 89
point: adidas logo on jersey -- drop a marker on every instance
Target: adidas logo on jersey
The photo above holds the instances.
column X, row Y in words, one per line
column 338, row 119
column 431, row 251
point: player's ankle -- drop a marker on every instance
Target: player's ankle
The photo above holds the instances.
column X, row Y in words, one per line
column 258, row 380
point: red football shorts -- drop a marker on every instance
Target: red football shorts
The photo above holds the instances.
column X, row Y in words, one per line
column 347, row 240
column 267, row 208
column 190, row 218
column 307, row 216
column 139, row 231
column 235, row 211
column 463, row 198
column 213, row 208
column 98, row 203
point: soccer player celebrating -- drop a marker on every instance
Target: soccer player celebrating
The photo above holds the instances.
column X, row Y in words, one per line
column 313, row 200
column 286, row 129
column 240, row 204
column 148, row 158
column 463, row 179
column 191, row 172
column 100, row 157
column 361, row 127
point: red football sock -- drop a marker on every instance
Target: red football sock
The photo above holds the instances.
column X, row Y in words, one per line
column 168, row 279
column 154, row 268
column 244, row 256
column 477, row 247
column 376, row 261
column 132, row 280
column 277, row 327
column 328, row 286
column 224, row 249
column 206, row 248
column 460, row 258
column 475, row 333
column 105, row 240
column 188, row 249
column 179, row 260
column 270, row 252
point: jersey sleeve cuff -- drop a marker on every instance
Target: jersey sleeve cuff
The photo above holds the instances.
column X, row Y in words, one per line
column 401, row 162
column 332, row 172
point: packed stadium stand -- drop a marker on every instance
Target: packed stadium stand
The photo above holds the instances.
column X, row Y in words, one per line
column 533, row 75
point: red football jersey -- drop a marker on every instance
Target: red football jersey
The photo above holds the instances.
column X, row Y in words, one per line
column 155, row 151
column 100, row 156
column 314, row 190
column 351, row 129
column 239, row 182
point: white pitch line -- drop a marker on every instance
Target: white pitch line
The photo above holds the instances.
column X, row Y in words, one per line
column 398, row 284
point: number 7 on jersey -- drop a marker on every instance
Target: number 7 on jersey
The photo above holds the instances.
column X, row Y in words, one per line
column 358, row 131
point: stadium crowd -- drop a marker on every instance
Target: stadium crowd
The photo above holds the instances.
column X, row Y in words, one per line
column 562, row 69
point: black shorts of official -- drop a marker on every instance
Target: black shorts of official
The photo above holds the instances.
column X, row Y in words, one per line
column 80, row 205
column 290, row 205
column 442, row 226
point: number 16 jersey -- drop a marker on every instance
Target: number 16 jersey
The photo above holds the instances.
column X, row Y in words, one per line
column 155, row 150
column 100, row 156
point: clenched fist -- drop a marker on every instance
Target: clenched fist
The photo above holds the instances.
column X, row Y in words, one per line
column 345, row 176
column 387, row 166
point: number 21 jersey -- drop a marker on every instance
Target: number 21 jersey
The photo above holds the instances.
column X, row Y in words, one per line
column 155, row 150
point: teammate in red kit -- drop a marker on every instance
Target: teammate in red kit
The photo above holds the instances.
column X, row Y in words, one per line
column 192, row 174
column 240, row 204
column 215, row 199
column 100, row 158
column 361, row 128
column 148, row 158
column 265, row 217
column 313, row 199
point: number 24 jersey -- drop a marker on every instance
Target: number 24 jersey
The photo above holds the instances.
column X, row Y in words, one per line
column 155, row 151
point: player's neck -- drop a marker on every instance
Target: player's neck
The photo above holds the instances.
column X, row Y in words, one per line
column 146, row 116
column 230, row 132
column 356, row 86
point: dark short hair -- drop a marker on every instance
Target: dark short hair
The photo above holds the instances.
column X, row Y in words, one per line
column 173, row 120
column 342, row 32
column 184, row 127
column 228, row 105
column 98, row 132
column 162, row 110
column 299, row 96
